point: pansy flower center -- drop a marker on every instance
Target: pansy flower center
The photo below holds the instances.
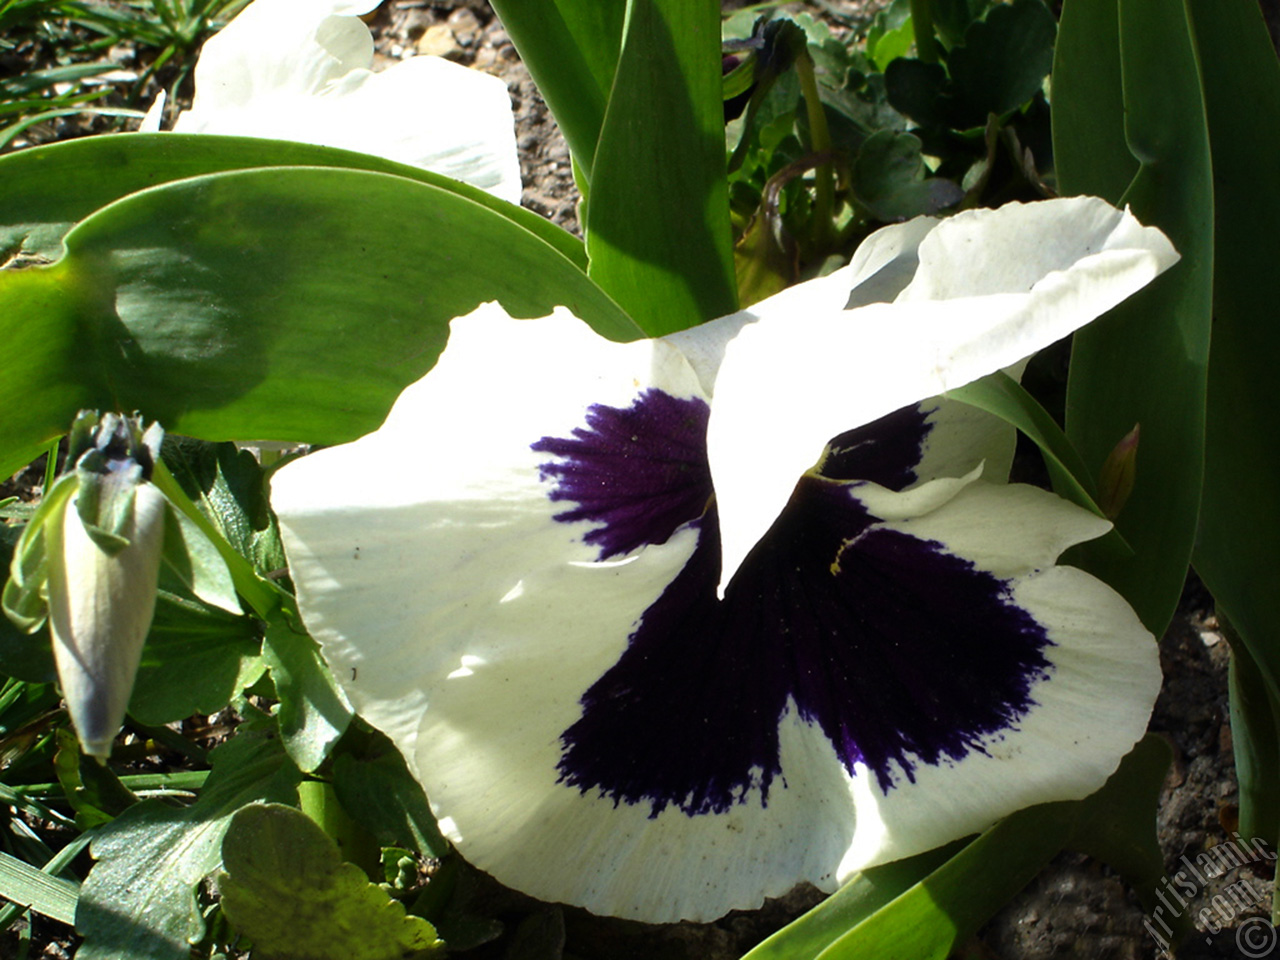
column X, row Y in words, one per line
column 902, row 653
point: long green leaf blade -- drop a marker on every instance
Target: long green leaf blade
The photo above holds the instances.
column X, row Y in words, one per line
column 571, row 49
column 1146, row 362
column 1236, row 551
column 47, row 189
column 51, row 896
column 658, row 231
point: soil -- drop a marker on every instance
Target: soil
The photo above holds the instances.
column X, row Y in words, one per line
column 1077, row 908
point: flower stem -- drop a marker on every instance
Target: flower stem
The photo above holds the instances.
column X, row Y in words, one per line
column 819, row 143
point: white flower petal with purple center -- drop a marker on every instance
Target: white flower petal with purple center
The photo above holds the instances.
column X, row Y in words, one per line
column 301, row 70
column 521, row 577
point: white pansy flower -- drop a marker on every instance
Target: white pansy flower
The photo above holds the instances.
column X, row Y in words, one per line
column 667, row 627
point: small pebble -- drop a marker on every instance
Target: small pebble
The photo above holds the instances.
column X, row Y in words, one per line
column 439, row 41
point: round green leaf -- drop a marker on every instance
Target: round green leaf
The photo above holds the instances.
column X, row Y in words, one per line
column 288, row 889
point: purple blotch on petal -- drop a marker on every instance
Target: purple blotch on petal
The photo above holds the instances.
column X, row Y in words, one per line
column 884, row 451
column 640, row 472
column 901, row 652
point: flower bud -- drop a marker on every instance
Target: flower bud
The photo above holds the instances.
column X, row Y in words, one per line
column 100, row 609
column 1115, row 482
column 89, row 563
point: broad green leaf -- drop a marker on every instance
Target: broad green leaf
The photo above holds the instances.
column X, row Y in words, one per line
column 23, row 884
column 658, row 231
column 48, row 189
column 287, row 888
column 889, row 179
column 1004, row 59
column 313, row 711
column 195, row 660
column 380, row 794
column 229, row 486
column 284, row 303
column 262, row 596
column 1146, row 361
column 1088, row 101
column 1240, row 514
column 194, row 560
column 139, row 900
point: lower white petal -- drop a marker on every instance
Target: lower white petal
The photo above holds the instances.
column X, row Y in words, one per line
column 1088, row 710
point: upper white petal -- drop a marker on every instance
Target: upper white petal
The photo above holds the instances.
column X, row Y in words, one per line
column 992, row 288
column 300, row 70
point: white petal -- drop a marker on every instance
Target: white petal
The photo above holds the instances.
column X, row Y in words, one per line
column 881, row 267
column 292, row 70
column 1087, row 714
column 790, row 382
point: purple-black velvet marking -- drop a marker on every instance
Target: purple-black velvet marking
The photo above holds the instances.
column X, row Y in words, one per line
column 902, row 653
column 885, row 451
column 639, row 472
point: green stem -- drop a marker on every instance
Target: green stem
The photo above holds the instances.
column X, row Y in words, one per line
column 819, row 143
column 922, row 24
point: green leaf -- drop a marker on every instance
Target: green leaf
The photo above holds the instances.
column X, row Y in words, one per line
column 1117, row 824
column 1255, row 738
column 889, row 179
column 22, row 655
column 860, row 897
column 1240, row 513
column 288, row 889
column 999, row 394
column 1146, row 361
column 1004, row 59
column 92, row 790
column 195, row 660
column 24, row 591
column 571, row 49
column 193, row 559
column 285, row 303
column 313, row 711
column 229, row 486
column 1088, row 101
column 139, row 900
column 381, row 795
column 658, row 231
column 23, row 884
column 949, row 905
column 924, row 907
column 48, row 189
